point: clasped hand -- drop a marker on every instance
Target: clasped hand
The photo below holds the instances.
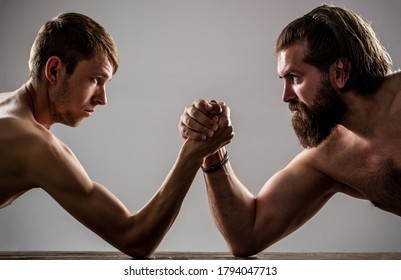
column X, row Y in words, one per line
column 207, row 123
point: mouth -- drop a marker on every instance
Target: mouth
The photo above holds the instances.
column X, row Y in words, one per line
column 88, row 112
column 293, row 108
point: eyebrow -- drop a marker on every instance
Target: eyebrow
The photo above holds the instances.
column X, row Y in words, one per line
column 288, row 72
column 103, row 74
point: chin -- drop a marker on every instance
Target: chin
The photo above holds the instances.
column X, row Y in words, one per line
column 71, row 123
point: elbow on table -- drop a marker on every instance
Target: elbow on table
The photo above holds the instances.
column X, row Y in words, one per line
column 138, row 252
column 244, row 249
column 137, row 248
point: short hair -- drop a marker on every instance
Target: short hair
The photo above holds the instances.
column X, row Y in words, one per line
column 72, row 37
column 333, row 33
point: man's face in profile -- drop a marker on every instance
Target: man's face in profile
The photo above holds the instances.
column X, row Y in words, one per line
column 314, row 123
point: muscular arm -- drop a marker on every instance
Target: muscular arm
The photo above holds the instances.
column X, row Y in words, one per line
column 59, row 173
column 287, row 200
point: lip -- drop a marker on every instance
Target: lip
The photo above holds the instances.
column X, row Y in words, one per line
column 293, row 108
column 88, row 113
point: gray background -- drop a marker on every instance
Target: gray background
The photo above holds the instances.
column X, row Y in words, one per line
column 173, row 52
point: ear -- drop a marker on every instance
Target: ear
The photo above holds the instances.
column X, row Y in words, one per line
column 339, row 72
column 52, row 69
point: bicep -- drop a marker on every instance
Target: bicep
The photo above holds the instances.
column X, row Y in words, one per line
column 97, row 208
column 289, row 199
column 61, row 175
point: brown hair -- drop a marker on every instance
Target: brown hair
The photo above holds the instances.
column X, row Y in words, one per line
column 72, row 37
column 333, row 33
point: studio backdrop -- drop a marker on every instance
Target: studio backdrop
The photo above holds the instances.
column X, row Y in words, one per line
column 173, row 52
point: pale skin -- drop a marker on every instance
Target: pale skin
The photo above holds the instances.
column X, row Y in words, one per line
column 32, row 157
column 362, row 158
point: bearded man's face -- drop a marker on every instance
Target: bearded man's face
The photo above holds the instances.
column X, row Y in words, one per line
column 314, row 123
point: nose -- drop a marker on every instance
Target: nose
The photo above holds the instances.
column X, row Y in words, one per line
column 100, row 98
column 288, row 93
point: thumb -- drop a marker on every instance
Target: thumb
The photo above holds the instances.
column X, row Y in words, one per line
column 213, row 107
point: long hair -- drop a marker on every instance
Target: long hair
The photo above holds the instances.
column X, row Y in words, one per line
column 333, row 33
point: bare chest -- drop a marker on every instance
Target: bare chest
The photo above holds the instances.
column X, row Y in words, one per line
column 372, row 170
column 13, row 174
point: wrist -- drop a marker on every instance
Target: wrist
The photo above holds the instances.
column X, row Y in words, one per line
column 189, row 155
column 215, row 159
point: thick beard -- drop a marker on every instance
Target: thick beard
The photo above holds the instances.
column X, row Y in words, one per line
column 315, row 123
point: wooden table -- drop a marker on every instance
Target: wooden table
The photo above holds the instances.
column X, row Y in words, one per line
column 114, row 255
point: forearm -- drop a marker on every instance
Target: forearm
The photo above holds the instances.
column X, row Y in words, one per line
column 232, row 205
column 153, row 221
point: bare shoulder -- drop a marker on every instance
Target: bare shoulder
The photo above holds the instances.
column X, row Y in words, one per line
column 392, row 88
column 22, row 147
column 334, row 159
column 32, row 157
column 56, row 167
column 19, row 140
column 306, row 170
column 44, row 160
column 395, row 77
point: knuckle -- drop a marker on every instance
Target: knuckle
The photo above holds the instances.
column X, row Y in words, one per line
column 198, row 103
column 192, row 111
column 190, row 123
column 185, row 120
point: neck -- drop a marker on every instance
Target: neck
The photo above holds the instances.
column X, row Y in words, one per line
column 38, row 101
column 367, row 113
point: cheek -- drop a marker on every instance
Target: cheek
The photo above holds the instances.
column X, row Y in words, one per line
column 308, row 93
column 302, row 92
column 81, row 94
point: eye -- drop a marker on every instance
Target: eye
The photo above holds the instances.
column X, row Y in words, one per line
column 294, row 78
column 96, row 80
